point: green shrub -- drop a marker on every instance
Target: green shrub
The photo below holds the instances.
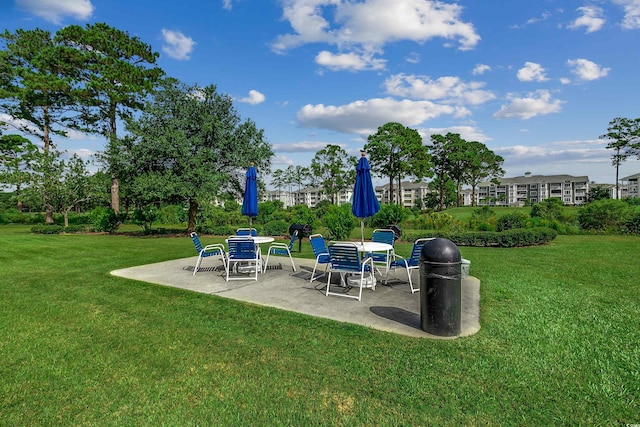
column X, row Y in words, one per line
column 507, row 239
column 387, row 215
column 511, row 221
column 276, row 228
column 340, row 221
column 47, row 229
column 220, row 230
column 604, row 216
column 145, row 218
column 483, row 219
column 172, row 214
column 106, row 220
column 632, row 224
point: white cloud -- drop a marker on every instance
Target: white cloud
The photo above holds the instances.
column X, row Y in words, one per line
column 591, row 19
column 480, row 69
column 413, row 58
column 373, row 23
column 631, row 8
column 468, row 133
column 349, row 61
column 254, row 98
column 449, row 89
column 227, row 4
column 303, row 146
column 364, row 117
column 587, row 70
column 535, row 104
column 532, row 72
column 177, row 45
column 55, row 10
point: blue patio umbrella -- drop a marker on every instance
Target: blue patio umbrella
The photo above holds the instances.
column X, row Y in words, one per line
column 250, row 198
column 365, row 203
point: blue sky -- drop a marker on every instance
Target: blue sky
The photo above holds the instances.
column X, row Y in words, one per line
column 537, row 82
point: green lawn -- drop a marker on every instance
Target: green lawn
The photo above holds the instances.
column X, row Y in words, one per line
column 559, row 344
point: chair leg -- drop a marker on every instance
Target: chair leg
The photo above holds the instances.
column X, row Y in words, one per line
column 292, row 264
column 195, row 270
column 266, row 262
column 413, row 290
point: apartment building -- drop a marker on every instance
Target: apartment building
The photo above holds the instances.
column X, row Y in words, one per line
column 630, row 184
column 572, row 190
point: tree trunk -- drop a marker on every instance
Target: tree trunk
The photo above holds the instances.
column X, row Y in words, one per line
column 115, row 194
column 473, row 195
column 193, row 211
column 48, row 218
column 65, row 214
column 617, row 195
column 390, row 189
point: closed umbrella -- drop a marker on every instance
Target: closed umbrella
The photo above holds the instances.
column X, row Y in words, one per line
column 365, row 203
column 250, row 199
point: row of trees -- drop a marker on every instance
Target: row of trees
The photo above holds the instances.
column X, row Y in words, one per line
column 395, row 153
column 182, row 142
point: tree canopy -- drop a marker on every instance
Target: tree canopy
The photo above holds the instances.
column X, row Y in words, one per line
column 396, row 151
column 333, row 169
column 189, row 145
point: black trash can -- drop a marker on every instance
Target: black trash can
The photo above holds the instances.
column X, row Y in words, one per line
column 304, row 230
column 440, row 288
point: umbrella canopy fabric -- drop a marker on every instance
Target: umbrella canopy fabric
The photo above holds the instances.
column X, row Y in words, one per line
column 250, row 199
column 365, row 203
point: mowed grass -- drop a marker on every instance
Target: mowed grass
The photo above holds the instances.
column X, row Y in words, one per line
column 559, row 344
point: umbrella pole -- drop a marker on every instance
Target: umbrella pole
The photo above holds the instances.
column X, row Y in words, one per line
column 362, row 230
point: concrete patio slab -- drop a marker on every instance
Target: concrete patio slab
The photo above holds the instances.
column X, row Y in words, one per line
column 391, row 308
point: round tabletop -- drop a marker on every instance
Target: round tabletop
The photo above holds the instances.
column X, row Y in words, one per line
column 373, row 247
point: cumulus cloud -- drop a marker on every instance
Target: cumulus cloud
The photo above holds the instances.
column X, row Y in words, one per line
column 364, row 117
column 532, row 72
column 227, row 4
column 254, row 98
column 480, row 69
column 587, row 70
column 468, row 133
column 591, row 19
column 534, row 104
column 55, row 11
column 631, row 20
column 349, row 61
column 373, row 23
column 303, row 146
column 177, row 45
column 448, row 89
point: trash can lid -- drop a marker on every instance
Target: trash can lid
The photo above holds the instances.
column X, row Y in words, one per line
column 441, row 251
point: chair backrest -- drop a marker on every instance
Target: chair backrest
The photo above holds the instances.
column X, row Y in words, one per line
column 246, row 232
column 414, row 259
column 383, row 236
column 293, row 239
column 344, row 256
column 318, row 244
column 242, row 248
column 196, row 241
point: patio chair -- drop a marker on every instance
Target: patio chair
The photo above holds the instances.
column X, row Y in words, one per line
column 282, row 249
column 321, row 253
column 413, row 263
column 246, row 232
column 216, row 249
column 242, row 250
column 345, row 259
column 383, row 236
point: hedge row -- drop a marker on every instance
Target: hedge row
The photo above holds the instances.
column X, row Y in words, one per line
column 57, row 229
column 505, row 239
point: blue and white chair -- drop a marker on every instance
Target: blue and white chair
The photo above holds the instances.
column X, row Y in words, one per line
column 244, row 253
column 411, row 263
column 216, row 249
column 383, row 236
column 246, row 232
column 320, row 251
column 345, row 260
column 282, row 249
